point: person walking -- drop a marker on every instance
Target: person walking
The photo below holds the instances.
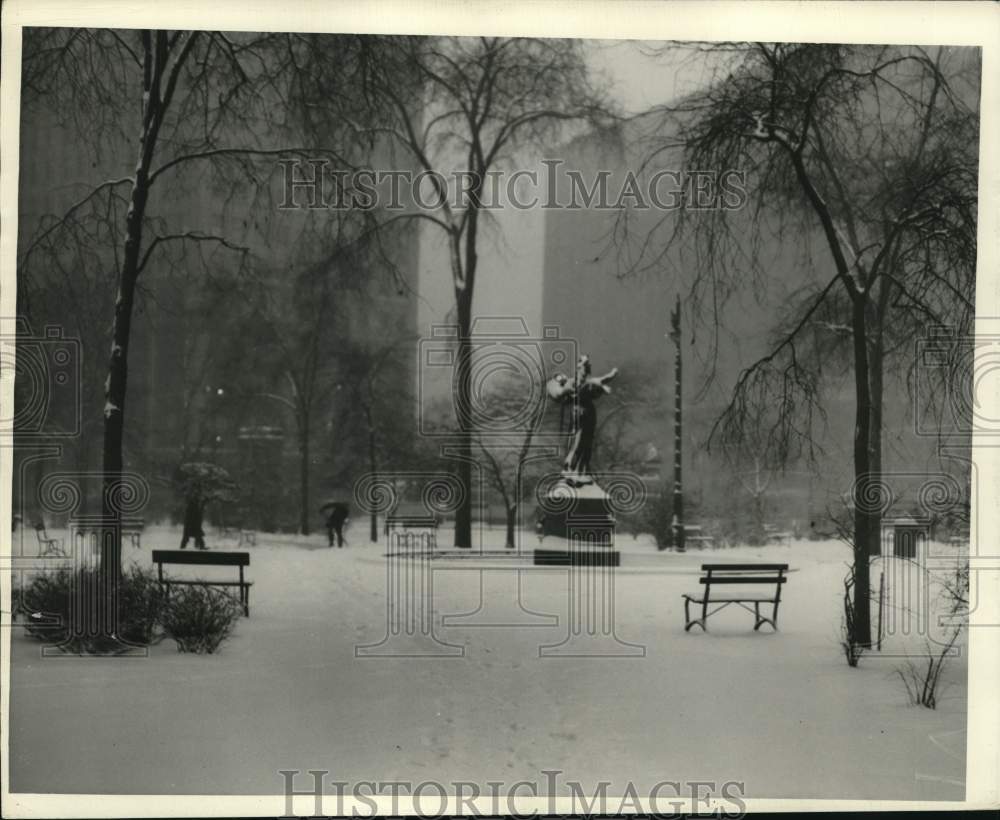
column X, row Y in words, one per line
column 337, row 515
column 194, row 515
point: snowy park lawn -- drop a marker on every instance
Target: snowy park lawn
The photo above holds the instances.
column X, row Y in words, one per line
column 781, row 712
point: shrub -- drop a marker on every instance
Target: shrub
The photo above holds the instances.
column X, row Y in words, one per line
column 921, row 682
column 852, row 650
column 199, row 619
column 141, row 601
column 655, row 517
column 45, row 606
column 48, row 599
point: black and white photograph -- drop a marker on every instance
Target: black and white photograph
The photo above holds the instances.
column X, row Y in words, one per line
column 492, row 409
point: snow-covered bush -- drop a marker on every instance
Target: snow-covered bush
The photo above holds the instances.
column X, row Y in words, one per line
column 199, row 619
column 852, row 650
column 141, row 601
column 922, row 680
column 47, row 601
column 45, row 606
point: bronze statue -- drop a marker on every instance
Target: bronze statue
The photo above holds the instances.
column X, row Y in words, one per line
column 582, row 392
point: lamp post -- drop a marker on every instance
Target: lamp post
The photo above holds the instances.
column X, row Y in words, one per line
column 677, row 521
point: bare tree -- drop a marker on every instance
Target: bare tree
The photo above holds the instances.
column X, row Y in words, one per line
column 872, row 151
column 505, row 457
column 465, row 104
column 303, row 317
column 377, row 386
column 208, row 103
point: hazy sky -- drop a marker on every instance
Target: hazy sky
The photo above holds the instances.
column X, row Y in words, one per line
column 643, row 74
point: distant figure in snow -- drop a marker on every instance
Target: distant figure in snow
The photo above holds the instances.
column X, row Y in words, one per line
column 197, row 484
column 194, row 513
column 337, row 515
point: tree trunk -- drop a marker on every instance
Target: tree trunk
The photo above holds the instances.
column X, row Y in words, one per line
column 462, row 399
column 862, row 473
column 878, row 396
column 464, row 275
column 677, row 539
column 511, row 524
column 304, row 474
column 115, row 388
column 875, row 434
column 372, row 467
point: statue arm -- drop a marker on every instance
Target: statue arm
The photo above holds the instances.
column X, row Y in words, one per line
column 607, row 377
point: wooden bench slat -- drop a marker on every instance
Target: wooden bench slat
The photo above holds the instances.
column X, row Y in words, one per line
column 745, row 567
column 173, row 581
column 202, row 557
column 749, row 596
column 745, row 579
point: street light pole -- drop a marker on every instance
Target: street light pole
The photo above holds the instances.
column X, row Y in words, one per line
column 677, row 522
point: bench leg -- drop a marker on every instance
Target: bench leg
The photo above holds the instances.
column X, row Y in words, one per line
column 688, row 623
column 760, row 620
column 246, row 600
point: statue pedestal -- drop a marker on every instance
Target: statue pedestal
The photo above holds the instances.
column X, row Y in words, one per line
column 583, row 510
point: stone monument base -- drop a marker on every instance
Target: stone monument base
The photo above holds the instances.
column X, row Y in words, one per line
column 579, row 513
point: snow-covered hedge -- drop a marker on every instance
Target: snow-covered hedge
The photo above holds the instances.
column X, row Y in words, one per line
column 199, row 619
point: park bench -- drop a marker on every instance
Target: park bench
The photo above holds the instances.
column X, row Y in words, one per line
column 205, row 558
column 46, row 544
column 719, row 578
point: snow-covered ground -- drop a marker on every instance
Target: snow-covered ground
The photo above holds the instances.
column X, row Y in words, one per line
column 781, row 712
